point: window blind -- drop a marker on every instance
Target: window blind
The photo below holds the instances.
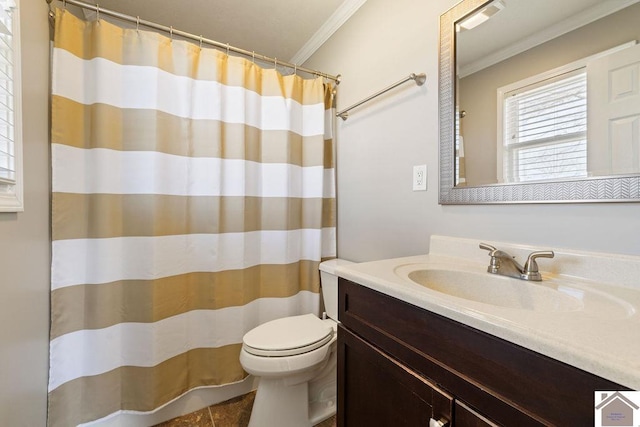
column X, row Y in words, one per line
column 7, row 104
column 545, row 135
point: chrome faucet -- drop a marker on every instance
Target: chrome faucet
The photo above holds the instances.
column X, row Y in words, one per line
column 506, row 265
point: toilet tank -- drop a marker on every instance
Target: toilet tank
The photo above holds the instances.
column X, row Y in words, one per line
column 329, row 283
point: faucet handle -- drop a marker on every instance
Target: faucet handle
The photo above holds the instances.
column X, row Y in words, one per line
column 489, row 248
column 494, row 264
column 531, row 266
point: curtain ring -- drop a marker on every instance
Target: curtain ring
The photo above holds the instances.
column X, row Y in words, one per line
column 200, row 41
column 52, row 15
column 64, row 4
column 275, row 63
column 137, row 23
column 227, row 49
column 295, row 69
column 97, row 12
column 253, row 56
column 171, row 33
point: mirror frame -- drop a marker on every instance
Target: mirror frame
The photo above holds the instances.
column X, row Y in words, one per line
column 619, row 188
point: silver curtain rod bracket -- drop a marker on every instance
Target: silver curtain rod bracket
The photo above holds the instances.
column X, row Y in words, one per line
column 197, row 38
column 420, row 79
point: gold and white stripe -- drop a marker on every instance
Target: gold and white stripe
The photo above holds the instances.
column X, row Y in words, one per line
column 147, row 258
column 142, row 172
column 193, row 197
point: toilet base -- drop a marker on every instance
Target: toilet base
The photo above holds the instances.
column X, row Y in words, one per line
column 323, row 392
column 278, row 404
column 285, row 403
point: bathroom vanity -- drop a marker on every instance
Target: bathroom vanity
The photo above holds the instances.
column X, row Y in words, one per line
column 411, row 355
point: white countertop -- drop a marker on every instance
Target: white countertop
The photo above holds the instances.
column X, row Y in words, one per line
column 602, row 340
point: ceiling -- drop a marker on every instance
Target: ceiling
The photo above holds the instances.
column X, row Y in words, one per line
column 289, row 30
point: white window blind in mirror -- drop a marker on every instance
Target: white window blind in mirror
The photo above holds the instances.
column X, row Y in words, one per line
column 10, row 138
column 545, row 129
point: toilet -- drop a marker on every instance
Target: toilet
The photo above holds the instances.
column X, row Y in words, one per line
column 295, row 360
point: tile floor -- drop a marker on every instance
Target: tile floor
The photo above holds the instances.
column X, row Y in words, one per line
column 232, row 413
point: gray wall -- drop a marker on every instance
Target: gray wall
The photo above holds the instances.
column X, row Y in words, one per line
column 24, row 247
column 378, row 214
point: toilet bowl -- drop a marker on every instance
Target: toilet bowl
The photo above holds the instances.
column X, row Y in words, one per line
column 295, row 360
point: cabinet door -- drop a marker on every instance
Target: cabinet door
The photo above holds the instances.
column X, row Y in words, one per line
column 376, row 390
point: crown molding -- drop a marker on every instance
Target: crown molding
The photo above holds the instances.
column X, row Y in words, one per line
column 335, row 21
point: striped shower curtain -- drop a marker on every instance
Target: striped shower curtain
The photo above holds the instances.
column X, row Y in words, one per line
column 192, row 199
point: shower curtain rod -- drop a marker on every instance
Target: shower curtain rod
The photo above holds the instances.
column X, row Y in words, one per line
column 200, row 39
column 419, row 79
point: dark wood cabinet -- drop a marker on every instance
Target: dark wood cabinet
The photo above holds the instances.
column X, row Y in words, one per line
column 467, row 417
column 399, row 364
column 370, row 376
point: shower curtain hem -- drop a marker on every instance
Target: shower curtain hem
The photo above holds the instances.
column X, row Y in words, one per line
column 109, row 417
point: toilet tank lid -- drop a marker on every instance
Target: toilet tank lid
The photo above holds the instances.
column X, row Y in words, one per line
column 331, row 265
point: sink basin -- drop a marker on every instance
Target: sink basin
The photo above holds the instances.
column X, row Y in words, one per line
column 495, row 290
column 550, row 295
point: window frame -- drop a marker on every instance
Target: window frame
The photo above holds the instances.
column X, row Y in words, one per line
column 508, row 151
column 12, row 194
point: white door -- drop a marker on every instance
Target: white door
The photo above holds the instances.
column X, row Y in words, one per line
column 613, row 113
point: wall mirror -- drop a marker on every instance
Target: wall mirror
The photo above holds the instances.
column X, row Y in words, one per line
column 540, row 101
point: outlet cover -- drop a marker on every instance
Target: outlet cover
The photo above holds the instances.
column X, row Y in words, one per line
column 420, row 178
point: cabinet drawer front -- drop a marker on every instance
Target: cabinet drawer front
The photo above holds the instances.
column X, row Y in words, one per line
column 375, row 389
column 467, row 417
column 516, row 385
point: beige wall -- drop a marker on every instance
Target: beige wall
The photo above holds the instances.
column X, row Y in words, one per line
column 24, row 247
column 478, row 90
column 378, row 214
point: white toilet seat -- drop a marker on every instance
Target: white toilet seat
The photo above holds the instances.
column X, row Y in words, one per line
column 288, row 336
